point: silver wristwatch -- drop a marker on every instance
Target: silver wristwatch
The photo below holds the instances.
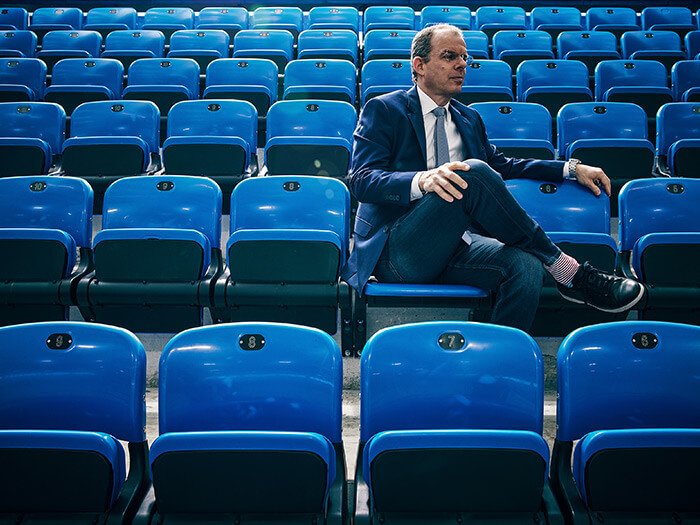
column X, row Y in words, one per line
column 571, row 175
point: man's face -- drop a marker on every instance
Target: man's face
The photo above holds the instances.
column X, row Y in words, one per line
column 443, row 75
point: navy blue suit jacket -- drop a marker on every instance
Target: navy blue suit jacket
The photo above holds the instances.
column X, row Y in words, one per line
column 389, row 149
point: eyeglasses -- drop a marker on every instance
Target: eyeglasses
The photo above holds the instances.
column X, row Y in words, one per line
column 451, row 56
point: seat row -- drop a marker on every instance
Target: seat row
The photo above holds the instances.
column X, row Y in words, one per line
column 487, row 18
column 158, row 261
column 451, row 426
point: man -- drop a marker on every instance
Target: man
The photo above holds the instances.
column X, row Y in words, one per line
column 426, row 215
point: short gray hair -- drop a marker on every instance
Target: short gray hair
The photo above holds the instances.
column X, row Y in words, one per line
column 422, row 43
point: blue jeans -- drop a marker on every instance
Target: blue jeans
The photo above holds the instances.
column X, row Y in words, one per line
column 507, row 252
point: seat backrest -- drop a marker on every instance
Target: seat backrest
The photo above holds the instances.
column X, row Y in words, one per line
column 510, row 40
column 692, row 43
column 112, row 16
column 389, row 17
column 685, row 74
column 477, row 43
column 320, row 72
column 73, row 376
column 135, row 40
column 79, row 40
column 543, row 72
column 30, row 72
column 289, row 18
column 123, row 118
column 243, row 72
column 269, row 39
column 563, row 206
column 600, row 120
column 558, row 16
column 328, row 39
column 658, row 206
column 93, row 72
column 211, row 16
column 618, row 73
column 42, row 120
column 488, row 73
column 632, row 374
column 165, row 201
column 165, row 72
column 585, row 41
column 391, row 40
column 251, row 376
column 457, row 15
column 47, row 202
column 517, row 120
column 450, row 375
column 676, row 121
column 632, row 41
column 507, row 15
column 220, row 118
column 610, row 15
column 311, row 118
column 332, row 17
column 176, row 17
column 20, row 40
column 386, row 72
column 72, row 16
column 200, row 40
column 651, row 16
column 17, row 17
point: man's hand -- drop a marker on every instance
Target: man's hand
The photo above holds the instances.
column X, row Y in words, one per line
column 593, row 178
column 444, row 181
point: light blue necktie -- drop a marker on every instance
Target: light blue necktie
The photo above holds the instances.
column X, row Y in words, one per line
column 442, row 150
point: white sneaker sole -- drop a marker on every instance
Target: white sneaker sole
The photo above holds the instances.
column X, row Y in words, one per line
column 628, row 306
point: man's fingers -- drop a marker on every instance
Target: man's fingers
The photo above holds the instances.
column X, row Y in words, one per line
column 606, row 185
column 442, row 193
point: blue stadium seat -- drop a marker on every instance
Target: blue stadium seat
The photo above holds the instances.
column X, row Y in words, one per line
column 477, row 44
column 274, row 44
column 328, row 43
column 491, row 19
column 388, row 43
column 615, row 20
column 515, row 46
column 641, row 82
column 287, row 18
column 325, row 79
column 203, row 45
column 554, row 20
column 58, row 45
column 157, row 256
column 17, row 43
column 212, row 138
column 579, row 223
column 553, row 83
column 167, row 20
column 627, row 393
column 250, row 427
column 487, row 81
column 611, row 135
column 451, row 422
column 22, row 79
column 589, row 47
column 518, row 129
column 31, row 138
column 395, row 17
column 384, row 76
column 332, row 17
column 107, row 19
column 230, row 19
column 660, row 242
column 678, row 139
column 289, row 241
column 310, row 137
column 692, row 44
column 455, row 15
column 163, row 82
column 129, row 45
column 45, row 19
column 662, row 46
column 14, row 18
column 685, row 81
column 678, row 19
column 44, row 222
column 110, row 140
column 76, row 80
column 72, row 391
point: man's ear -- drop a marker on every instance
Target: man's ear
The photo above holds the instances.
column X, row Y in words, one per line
column 418, row 65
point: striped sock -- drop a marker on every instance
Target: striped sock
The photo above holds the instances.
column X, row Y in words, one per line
column 563, row 269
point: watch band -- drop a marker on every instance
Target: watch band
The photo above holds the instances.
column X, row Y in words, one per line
column 573, row 163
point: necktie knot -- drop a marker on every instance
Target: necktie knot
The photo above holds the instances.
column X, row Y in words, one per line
column 439, row 112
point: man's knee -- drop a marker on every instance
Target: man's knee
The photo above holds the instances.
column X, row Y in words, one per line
column 481, row 171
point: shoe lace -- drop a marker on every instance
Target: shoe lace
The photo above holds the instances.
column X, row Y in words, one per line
column 599, row 281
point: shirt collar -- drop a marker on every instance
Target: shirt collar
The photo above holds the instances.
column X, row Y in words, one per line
column 427, row 104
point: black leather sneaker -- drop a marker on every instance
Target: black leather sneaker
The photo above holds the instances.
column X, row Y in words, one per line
column 601, row 290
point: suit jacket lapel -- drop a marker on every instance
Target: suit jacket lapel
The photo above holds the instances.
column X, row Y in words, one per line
column 415, row 116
